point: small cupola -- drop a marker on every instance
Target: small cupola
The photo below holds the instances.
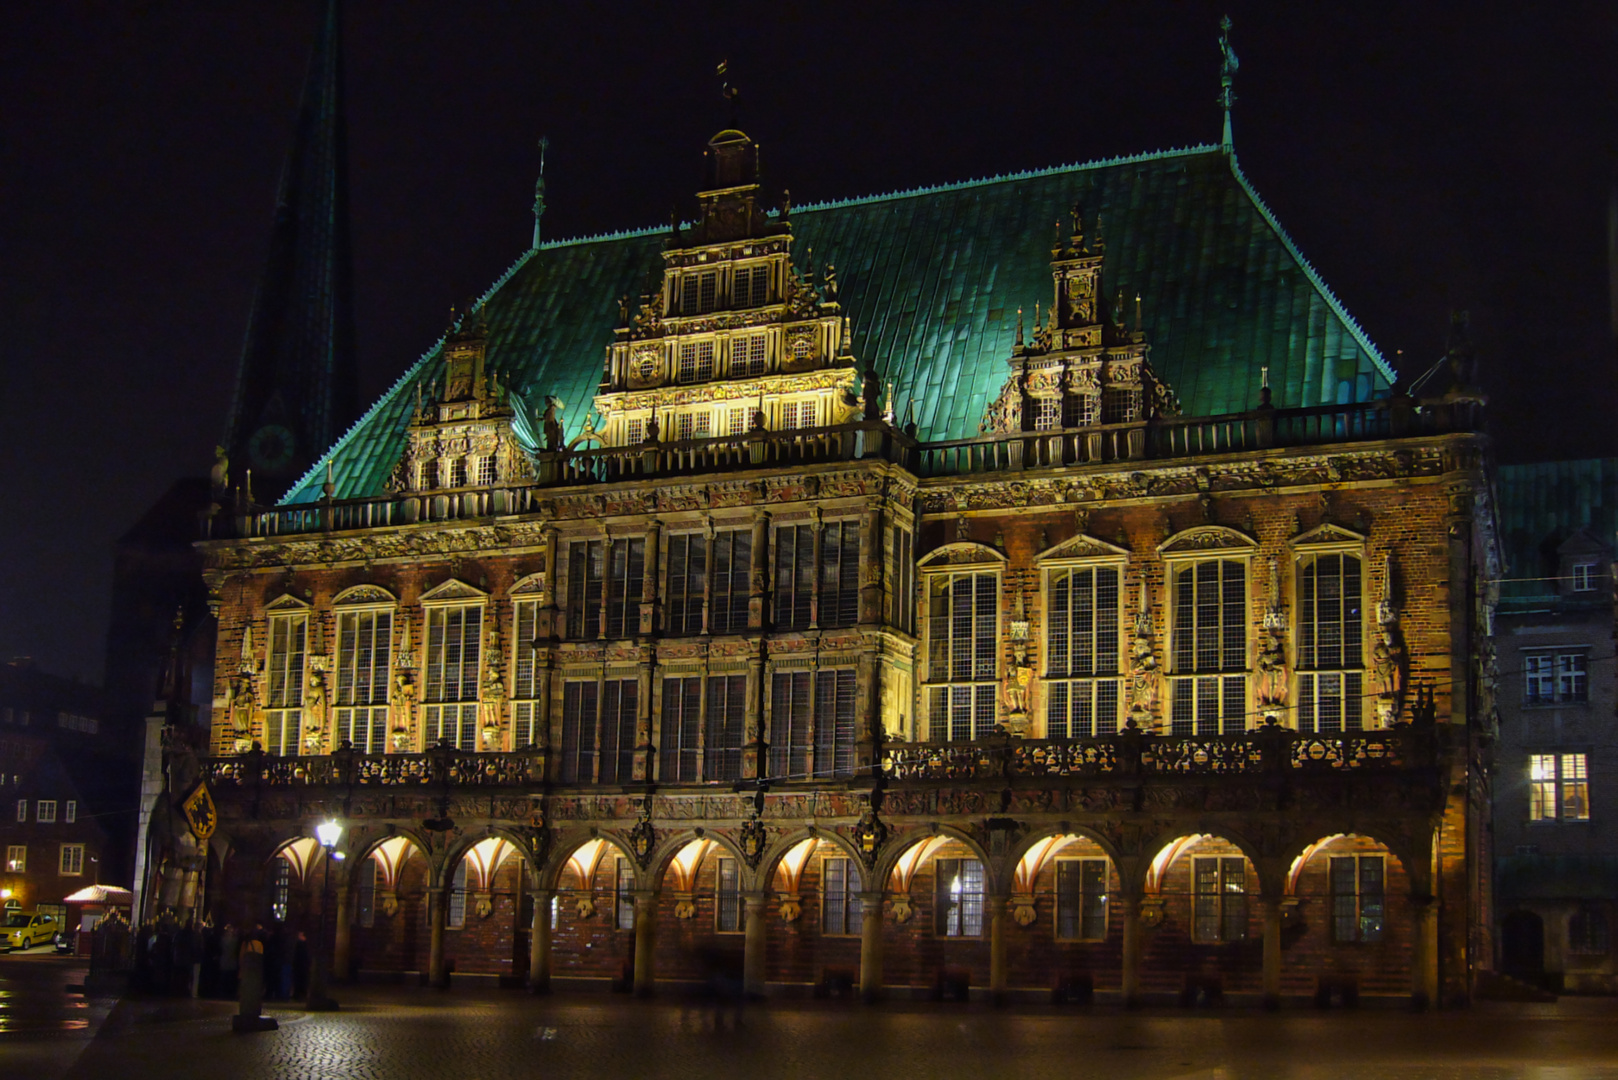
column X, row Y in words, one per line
column 732, row 161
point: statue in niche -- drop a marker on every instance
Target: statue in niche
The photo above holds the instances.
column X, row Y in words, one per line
column 1272, row 653
column 240, row 699
column 1143, row 667
column 1388, row 654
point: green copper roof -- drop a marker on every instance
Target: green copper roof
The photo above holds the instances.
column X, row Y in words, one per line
column 932, row 281
column 1540, row 506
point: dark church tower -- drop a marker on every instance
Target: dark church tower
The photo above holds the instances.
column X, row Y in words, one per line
column 296, row 389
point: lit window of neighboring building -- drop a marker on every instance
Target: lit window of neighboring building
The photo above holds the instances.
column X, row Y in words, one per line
column 70, row 811
column 1220, row 898
column 1584, row 577
column 22, row 809
column 1210, row 648
column 72, row 862
column 958, row 910
column 1081, row 651
column 1357, row 887
column 1558, row 787
column 46, row 814
column 17, row 858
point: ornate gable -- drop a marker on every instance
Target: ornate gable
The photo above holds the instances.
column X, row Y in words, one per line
column 453, row 590
column 530, row 585
column 1328, row 535
column 285, row 604
column 962, row 553
column 364, row 594
column 1082, row 546
column 1208, row 538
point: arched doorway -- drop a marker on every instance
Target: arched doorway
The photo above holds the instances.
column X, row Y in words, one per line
column 1522, row 946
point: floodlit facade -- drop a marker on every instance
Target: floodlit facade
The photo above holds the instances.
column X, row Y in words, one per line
column 1040, row 590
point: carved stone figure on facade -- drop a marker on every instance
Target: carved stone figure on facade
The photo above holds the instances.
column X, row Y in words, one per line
column 314, row 703
column 240, row 700
column 1272, row 653
column 1388, row 654
column 550, row 423
column 219, row 475
column 1143, row 667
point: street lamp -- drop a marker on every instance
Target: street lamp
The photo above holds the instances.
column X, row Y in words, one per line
column 328, row 832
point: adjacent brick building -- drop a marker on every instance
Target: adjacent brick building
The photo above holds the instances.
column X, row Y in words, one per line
column 1557, row 852
column 982, row 608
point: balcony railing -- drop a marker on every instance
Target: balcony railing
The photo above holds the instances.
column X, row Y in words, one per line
column 1163, row 438
column 1274, row 750
column 1120, row 757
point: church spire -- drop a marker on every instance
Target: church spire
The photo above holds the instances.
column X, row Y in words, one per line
column 296, row 386
column 1227, row 81
column 539, row 189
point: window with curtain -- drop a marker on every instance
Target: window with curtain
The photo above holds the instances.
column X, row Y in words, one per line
column 958, row 906
column 1082, row 690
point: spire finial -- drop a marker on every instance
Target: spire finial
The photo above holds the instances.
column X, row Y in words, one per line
column 1227, row 81
column 539, row 187
column 727, row 90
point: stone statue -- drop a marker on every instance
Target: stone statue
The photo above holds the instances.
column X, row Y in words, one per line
column 551, row 424
column 314, row 702
column 239, row 702
column 219, row 475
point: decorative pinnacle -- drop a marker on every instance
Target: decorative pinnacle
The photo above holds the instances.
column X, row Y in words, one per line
column 1227, row 79
column 539, row 188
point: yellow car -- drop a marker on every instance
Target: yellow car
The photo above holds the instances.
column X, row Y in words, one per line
column 24, row 930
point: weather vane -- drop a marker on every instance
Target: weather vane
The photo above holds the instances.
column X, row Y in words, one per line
column 726, row 90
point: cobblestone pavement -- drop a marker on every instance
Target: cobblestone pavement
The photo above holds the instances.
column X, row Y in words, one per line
column 481, row 1035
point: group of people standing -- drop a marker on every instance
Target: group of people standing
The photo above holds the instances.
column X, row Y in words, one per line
column 199, row 959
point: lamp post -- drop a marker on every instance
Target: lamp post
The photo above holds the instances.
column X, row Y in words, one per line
column 328, row 832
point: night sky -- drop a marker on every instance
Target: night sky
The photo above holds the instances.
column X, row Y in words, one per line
column 1424, row 157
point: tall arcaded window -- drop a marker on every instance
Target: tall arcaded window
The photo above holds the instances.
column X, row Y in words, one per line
column 727, row 896
column 454, row 651
column 1357, row 904
column 687, row 578
column 1081, row 899
column 680, row 726
column 1209, row 677
column 364, row 651
column 839, row 574
column 528, row 710
column 962, row 654
column 840, row 910
column 578, row 749
column 789, row 725
column 605, row 577
column 620, row 713
column 834, row 722
column 794, row 576
column 1331, row 635
column 598, row 731
column 958, row 898
column 732, row 567
column 1081, row 649
column 726, row 721
column 284, row 675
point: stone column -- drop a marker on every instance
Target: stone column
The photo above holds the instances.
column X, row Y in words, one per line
column 997, row 949
column 818, row 528
column 646, row 686
column 871, row 945
column 870, row 577
column 341, row 936
column 1424, row 953
column 1272, row 951
column 645, row 942
column 758, row 578
column 648, row 594
column 539, row 943
column 753, row 765
column 1132, row 950
column 437, row 912
column 550, row 612
column 753, row 959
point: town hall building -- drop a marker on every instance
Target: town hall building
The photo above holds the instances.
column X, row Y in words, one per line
column 1045, row 590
